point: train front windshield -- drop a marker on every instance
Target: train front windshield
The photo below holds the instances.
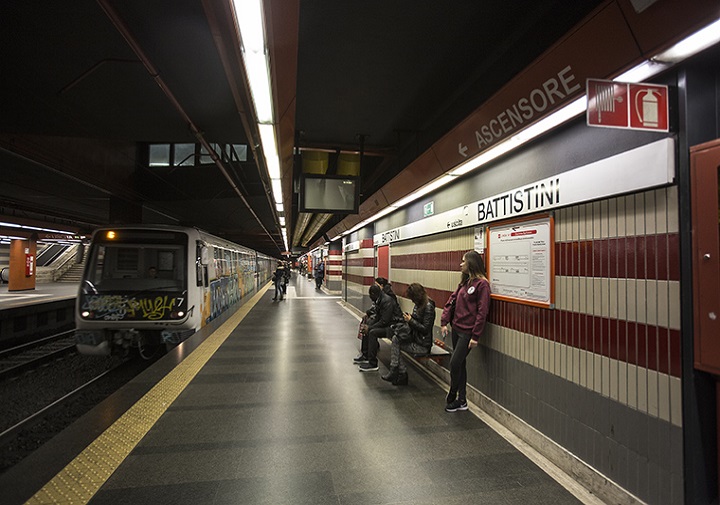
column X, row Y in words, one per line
column 130, row 263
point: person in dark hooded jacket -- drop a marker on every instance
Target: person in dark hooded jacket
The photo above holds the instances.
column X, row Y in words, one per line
column 419, row 338
column 279, row 281
column 386, row 287
column 387, row 312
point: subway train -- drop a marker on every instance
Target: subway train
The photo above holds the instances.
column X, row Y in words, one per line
column 148, row 287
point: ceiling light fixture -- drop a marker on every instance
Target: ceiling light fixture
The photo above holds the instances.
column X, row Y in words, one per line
column 34, row 228
column 691, row 45
column 251, row 26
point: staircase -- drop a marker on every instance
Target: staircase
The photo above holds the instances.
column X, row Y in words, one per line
column 75, row 272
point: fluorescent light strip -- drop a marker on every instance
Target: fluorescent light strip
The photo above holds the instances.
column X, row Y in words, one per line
column 256, row 66
column 272, row 160
column 277, row 189
column 642, row 72
column 249, row 18
column 429, row 188
column 691, row 45
column 35, row 228
column 248, row 14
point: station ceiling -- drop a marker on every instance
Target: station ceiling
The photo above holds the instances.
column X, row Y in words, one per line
column 89, row 88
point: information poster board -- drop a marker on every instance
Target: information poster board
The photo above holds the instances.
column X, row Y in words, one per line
column 521, row 262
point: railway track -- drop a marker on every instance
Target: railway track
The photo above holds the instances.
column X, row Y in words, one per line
column 25, row 357
column 40, row 404
column 11, row 432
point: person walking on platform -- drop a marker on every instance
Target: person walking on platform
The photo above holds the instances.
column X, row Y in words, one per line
column 286, row 279
column 279, row 281
column 466, row 311
column 387, row 312
column 414, row 335
column 319, row 275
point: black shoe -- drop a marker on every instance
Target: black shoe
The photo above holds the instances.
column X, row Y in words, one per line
column 368, row 367
column 360, row 359
column 402, row 379
column 456, row 405
column 391, row 376
column 274, row 299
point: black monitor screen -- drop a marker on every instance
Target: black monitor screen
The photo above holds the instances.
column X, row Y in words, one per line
column 329, row 194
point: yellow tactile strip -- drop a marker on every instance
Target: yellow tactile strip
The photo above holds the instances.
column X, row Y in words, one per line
column 78, row 482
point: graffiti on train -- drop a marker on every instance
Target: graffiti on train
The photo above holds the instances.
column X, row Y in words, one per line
column 123, row 307
column 223, row 293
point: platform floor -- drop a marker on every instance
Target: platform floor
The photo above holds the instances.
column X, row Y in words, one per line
column 270, row 409
column 43, row 293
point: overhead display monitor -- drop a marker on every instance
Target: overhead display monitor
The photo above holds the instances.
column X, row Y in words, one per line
column 329, row 193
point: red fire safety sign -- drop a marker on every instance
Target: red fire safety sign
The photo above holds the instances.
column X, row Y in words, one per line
column 624, row 105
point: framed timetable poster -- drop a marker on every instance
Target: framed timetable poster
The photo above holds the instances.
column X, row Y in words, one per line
column 520, row 260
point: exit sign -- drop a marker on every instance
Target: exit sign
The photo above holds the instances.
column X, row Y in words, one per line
column 429, row 209
column 626, row 105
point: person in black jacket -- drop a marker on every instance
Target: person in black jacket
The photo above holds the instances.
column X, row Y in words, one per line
column 369, row 317
column 287, row 277
column 419, row 338
column 386, row 287
column 279, row 281
column 319, row 275
column 387, row 312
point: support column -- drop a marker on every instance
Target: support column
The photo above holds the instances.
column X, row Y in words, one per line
column 22, row 264
column 333, row 274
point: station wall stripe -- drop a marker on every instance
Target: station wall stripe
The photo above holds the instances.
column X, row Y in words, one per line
column 361, row 262
column 645, row 345
column 634, row 257
column 78, row 482
column 360, row 279
column 449, row 260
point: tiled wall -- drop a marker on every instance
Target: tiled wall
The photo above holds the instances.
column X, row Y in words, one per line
column 333, row 274
column 599, row 373
column 359, row 274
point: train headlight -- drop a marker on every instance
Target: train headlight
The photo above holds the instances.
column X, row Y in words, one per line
column 177, row 315
column 86, row 314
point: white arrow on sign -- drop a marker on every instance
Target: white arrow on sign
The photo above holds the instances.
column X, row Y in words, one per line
column 462, row 149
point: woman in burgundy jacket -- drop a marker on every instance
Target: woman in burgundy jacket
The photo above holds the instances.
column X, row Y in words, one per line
column 466, row 311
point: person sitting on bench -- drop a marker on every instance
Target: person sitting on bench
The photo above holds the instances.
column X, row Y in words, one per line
column 414, row 336
column 387, row 312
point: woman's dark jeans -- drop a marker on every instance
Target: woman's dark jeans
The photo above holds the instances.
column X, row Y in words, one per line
column 458, row 370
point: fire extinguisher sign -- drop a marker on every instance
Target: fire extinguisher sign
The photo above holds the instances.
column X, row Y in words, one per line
column 627, row 105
